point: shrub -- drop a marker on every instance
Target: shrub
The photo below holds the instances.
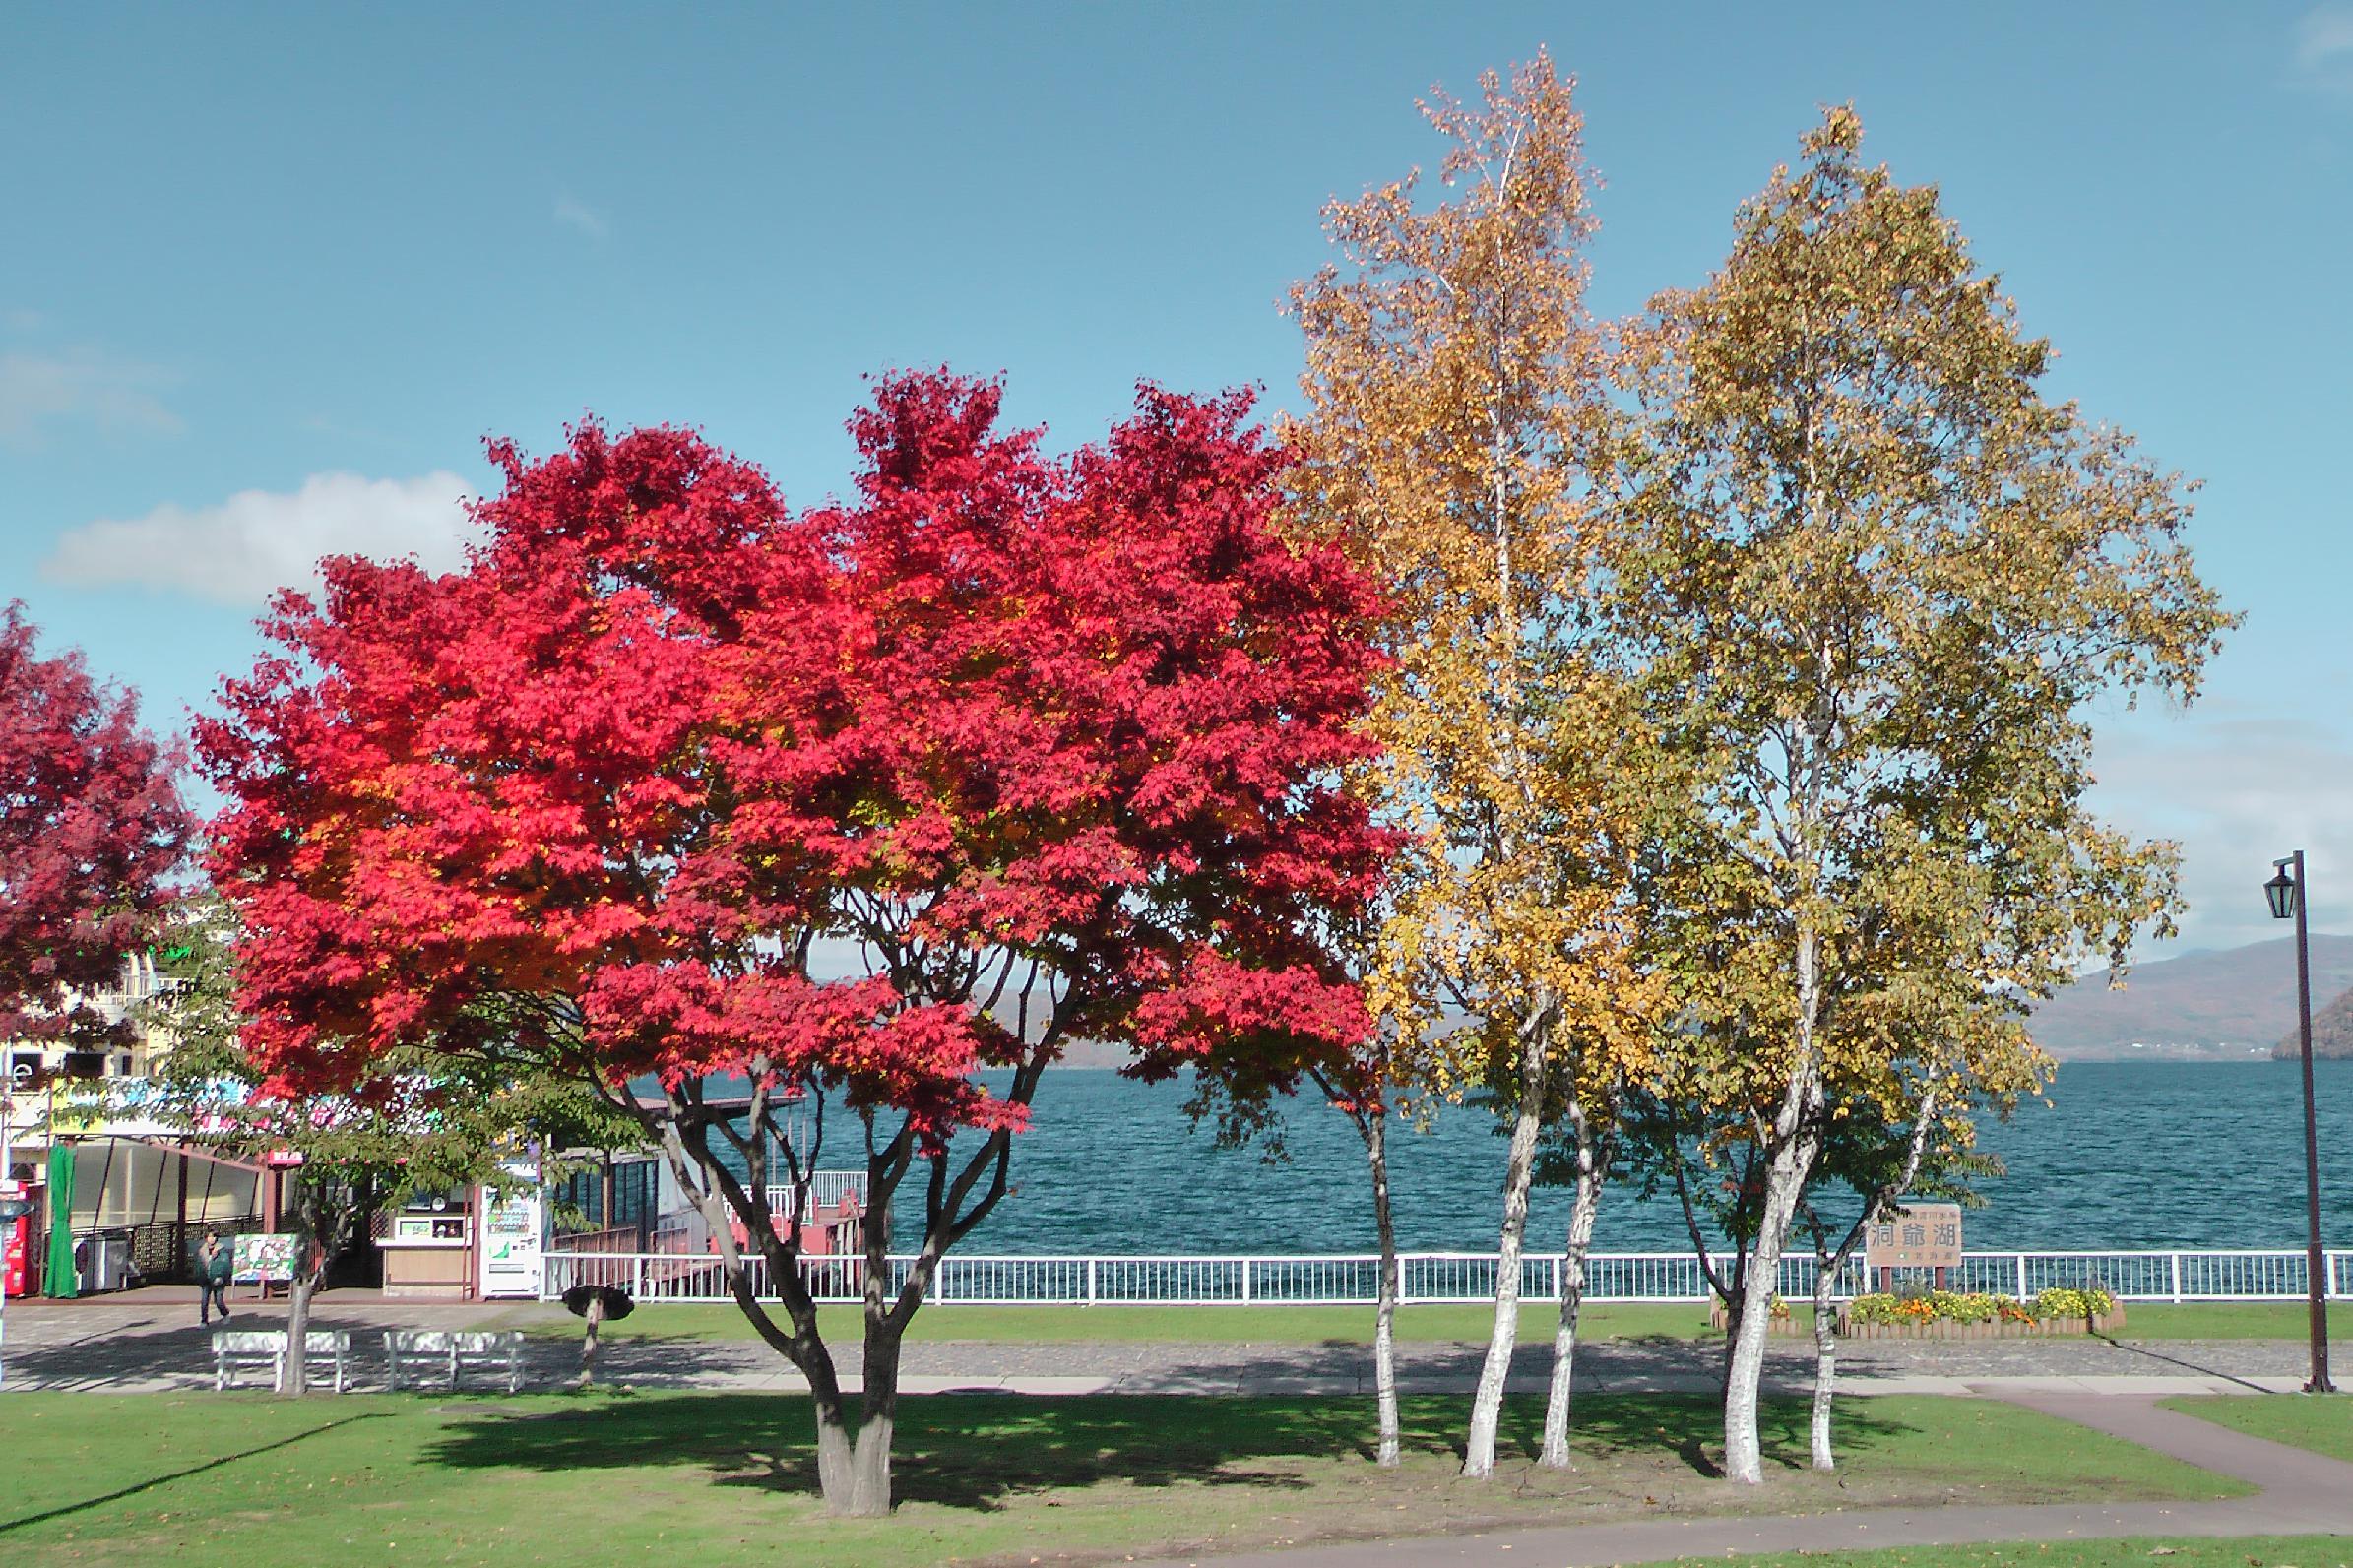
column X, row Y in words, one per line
column 2093, row 1302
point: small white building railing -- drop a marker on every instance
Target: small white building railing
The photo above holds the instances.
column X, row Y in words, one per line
column 1354, row 1279
column 827, row 1189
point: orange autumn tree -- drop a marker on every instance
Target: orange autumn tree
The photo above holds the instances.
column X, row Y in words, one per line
column 1456, row 397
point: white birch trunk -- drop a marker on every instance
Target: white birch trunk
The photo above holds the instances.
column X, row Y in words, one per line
column 1825, row 1358
column 1486, row 1404
column 1384, row 1320
column 1796, row 1142
column 1785, row 1181
column 1592, row 1170
column 1826, row 1265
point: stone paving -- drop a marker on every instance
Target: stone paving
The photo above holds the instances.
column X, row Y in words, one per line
column 150, row 1341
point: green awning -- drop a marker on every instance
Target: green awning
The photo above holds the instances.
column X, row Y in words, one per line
column 58, row 1278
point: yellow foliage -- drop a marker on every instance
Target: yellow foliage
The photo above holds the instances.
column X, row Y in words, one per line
column 1456, row 390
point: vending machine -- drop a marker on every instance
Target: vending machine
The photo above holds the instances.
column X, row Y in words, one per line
column 16, row 1239
column 513, row 1236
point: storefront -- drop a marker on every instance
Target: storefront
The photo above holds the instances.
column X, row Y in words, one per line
column 427, row 1245
column 466, row 1244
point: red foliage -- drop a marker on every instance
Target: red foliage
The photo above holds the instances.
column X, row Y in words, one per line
column 90, row 825
column 600, row 793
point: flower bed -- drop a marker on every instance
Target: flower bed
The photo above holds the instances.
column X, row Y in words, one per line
column 1947, row 1315
column 1782, row 1322
column 1951, row 1315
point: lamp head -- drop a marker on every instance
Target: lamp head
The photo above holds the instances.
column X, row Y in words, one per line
column 2281, row 893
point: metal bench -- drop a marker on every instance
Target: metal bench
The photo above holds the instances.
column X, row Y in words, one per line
column 322, row 1349
column 451, row 1352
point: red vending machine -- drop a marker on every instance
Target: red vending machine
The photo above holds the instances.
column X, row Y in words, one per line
column 16, row 1238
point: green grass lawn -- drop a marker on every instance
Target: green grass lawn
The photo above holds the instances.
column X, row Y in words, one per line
column 723, row 1478
column 2323, row 1425
column 2228, row 1320
column 2171, row 1551
column 1312, row 1325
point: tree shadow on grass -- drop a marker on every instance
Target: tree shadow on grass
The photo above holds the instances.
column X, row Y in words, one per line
column 153, row 1482
column 1691, row 1426
column 975, row 1451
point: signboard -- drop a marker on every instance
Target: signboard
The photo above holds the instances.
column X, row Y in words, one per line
column 265, row 1259
column 1917, row 1236
column 512, row 1226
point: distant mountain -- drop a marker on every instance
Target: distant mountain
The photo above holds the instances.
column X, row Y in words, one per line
column 2228, row 1004
column 2332, row 1029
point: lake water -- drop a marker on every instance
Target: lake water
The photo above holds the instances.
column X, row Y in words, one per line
column 2126, row 1155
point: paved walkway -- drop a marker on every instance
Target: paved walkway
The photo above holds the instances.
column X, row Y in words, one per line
column 2304, row 1493
column 149, row 1341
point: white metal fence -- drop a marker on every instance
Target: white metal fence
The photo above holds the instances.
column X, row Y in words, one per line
column 1440, row 1276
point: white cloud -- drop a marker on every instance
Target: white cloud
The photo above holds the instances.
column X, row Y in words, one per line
column 119, row 396
column 257, row 542
column 2325, row 45
column 573, row 212
column 2238, row 794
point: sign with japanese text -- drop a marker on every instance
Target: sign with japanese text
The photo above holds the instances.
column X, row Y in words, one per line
column 1917, row 1236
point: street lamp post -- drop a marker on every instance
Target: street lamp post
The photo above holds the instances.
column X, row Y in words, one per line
column 2285, row 893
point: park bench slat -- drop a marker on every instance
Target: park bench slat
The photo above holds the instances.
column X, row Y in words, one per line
column 456, row 1351
column 235, row 1348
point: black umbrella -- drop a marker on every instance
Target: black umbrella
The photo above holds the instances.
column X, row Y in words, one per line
column 596, row 1303
column 615, row 1301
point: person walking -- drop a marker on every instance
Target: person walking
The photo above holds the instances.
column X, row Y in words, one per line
column 215, row 1263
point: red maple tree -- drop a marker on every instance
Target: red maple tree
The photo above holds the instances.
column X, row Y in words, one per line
column 878, row 805
column 90, row 824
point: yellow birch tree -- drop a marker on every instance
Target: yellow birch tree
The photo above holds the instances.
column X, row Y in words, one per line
column 1879, row 578
column 1457, row 399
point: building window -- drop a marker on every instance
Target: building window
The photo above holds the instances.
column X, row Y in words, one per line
column 84, row 1064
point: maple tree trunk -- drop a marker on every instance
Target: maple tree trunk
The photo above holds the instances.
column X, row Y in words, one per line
column 1486, row 1404
column 854, row 1469
column 1592, row 1170
column 842, row 1457
column 1825, row 1358
column 299, row 1292
column 877, row 1421
column 296, row 1381
column 837, row 1481
column 1384, row 1317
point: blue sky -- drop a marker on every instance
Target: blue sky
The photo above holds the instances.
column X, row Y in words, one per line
column 272, row 272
